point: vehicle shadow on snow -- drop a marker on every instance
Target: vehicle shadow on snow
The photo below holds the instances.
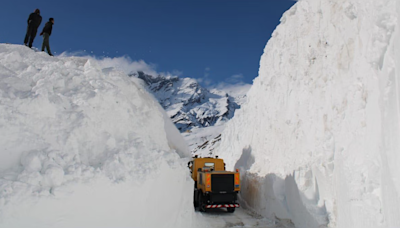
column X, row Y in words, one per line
column 219, row 211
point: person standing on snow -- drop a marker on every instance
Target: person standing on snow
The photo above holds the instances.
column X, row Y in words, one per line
column 34, row 21
column 46, row 35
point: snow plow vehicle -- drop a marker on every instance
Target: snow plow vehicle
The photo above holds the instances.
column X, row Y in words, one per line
column 214, row 187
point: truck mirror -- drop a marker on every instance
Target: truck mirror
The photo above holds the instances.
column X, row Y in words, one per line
column 199, row 170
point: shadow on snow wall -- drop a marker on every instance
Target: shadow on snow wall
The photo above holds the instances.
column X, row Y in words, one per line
column 278, row 198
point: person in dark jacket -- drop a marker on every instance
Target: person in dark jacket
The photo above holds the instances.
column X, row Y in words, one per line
column 34, row 21
column 46, row 35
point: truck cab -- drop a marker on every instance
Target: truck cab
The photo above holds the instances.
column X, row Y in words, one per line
column 214, row 186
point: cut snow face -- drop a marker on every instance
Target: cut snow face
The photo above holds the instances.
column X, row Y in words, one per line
column 318, row 139
column 83, row 146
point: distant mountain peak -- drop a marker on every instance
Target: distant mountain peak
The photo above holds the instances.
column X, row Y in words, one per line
column 188, row 103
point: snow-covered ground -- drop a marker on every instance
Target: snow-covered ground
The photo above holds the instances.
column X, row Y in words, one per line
column 318, row 139
column 86, row 146
column 218, row 218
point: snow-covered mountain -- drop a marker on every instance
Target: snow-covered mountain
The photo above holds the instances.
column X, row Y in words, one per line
column 318, row 140
column 189, row 104
column 199, row 113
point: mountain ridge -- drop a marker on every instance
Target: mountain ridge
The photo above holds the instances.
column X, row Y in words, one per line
column 189, row 104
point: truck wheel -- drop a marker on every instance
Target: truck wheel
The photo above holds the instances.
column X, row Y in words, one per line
column 202, row 206
column 231, row 209
column 195, row 197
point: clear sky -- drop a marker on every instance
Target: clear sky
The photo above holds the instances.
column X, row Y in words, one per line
column 213, row 40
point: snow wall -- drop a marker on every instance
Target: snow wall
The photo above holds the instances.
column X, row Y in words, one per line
column 318, row 141
column 86, row 146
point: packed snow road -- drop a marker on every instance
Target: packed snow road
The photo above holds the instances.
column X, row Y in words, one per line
column 219, row 218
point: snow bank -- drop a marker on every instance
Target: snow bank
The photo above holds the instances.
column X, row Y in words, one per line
column 318, row 138
column 86, row 146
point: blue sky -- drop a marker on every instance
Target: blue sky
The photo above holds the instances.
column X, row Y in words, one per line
column 212, row 40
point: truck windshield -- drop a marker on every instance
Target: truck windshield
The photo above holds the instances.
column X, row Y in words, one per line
column 209, row 164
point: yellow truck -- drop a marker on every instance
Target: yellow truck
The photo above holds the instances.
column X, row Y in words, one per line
column 214, row 187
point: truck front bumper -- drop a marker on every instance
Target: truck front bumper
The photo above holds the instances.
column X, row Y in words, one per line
column 223, row 205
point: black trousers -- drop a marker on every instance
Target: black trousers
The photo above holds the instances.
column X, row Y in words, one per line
column 30, row 35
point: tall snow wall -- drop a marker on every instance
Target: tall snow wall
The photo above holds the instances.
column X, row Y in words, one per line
column 86, row 146
column 318, row 140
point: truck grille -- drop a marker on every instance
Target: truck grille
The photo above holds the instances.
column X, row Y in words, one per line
column 222, row 183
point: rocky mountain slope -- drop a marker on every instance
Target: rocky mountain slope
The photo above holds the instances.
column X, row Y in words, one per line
column 199, row 113
column 188, row 103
